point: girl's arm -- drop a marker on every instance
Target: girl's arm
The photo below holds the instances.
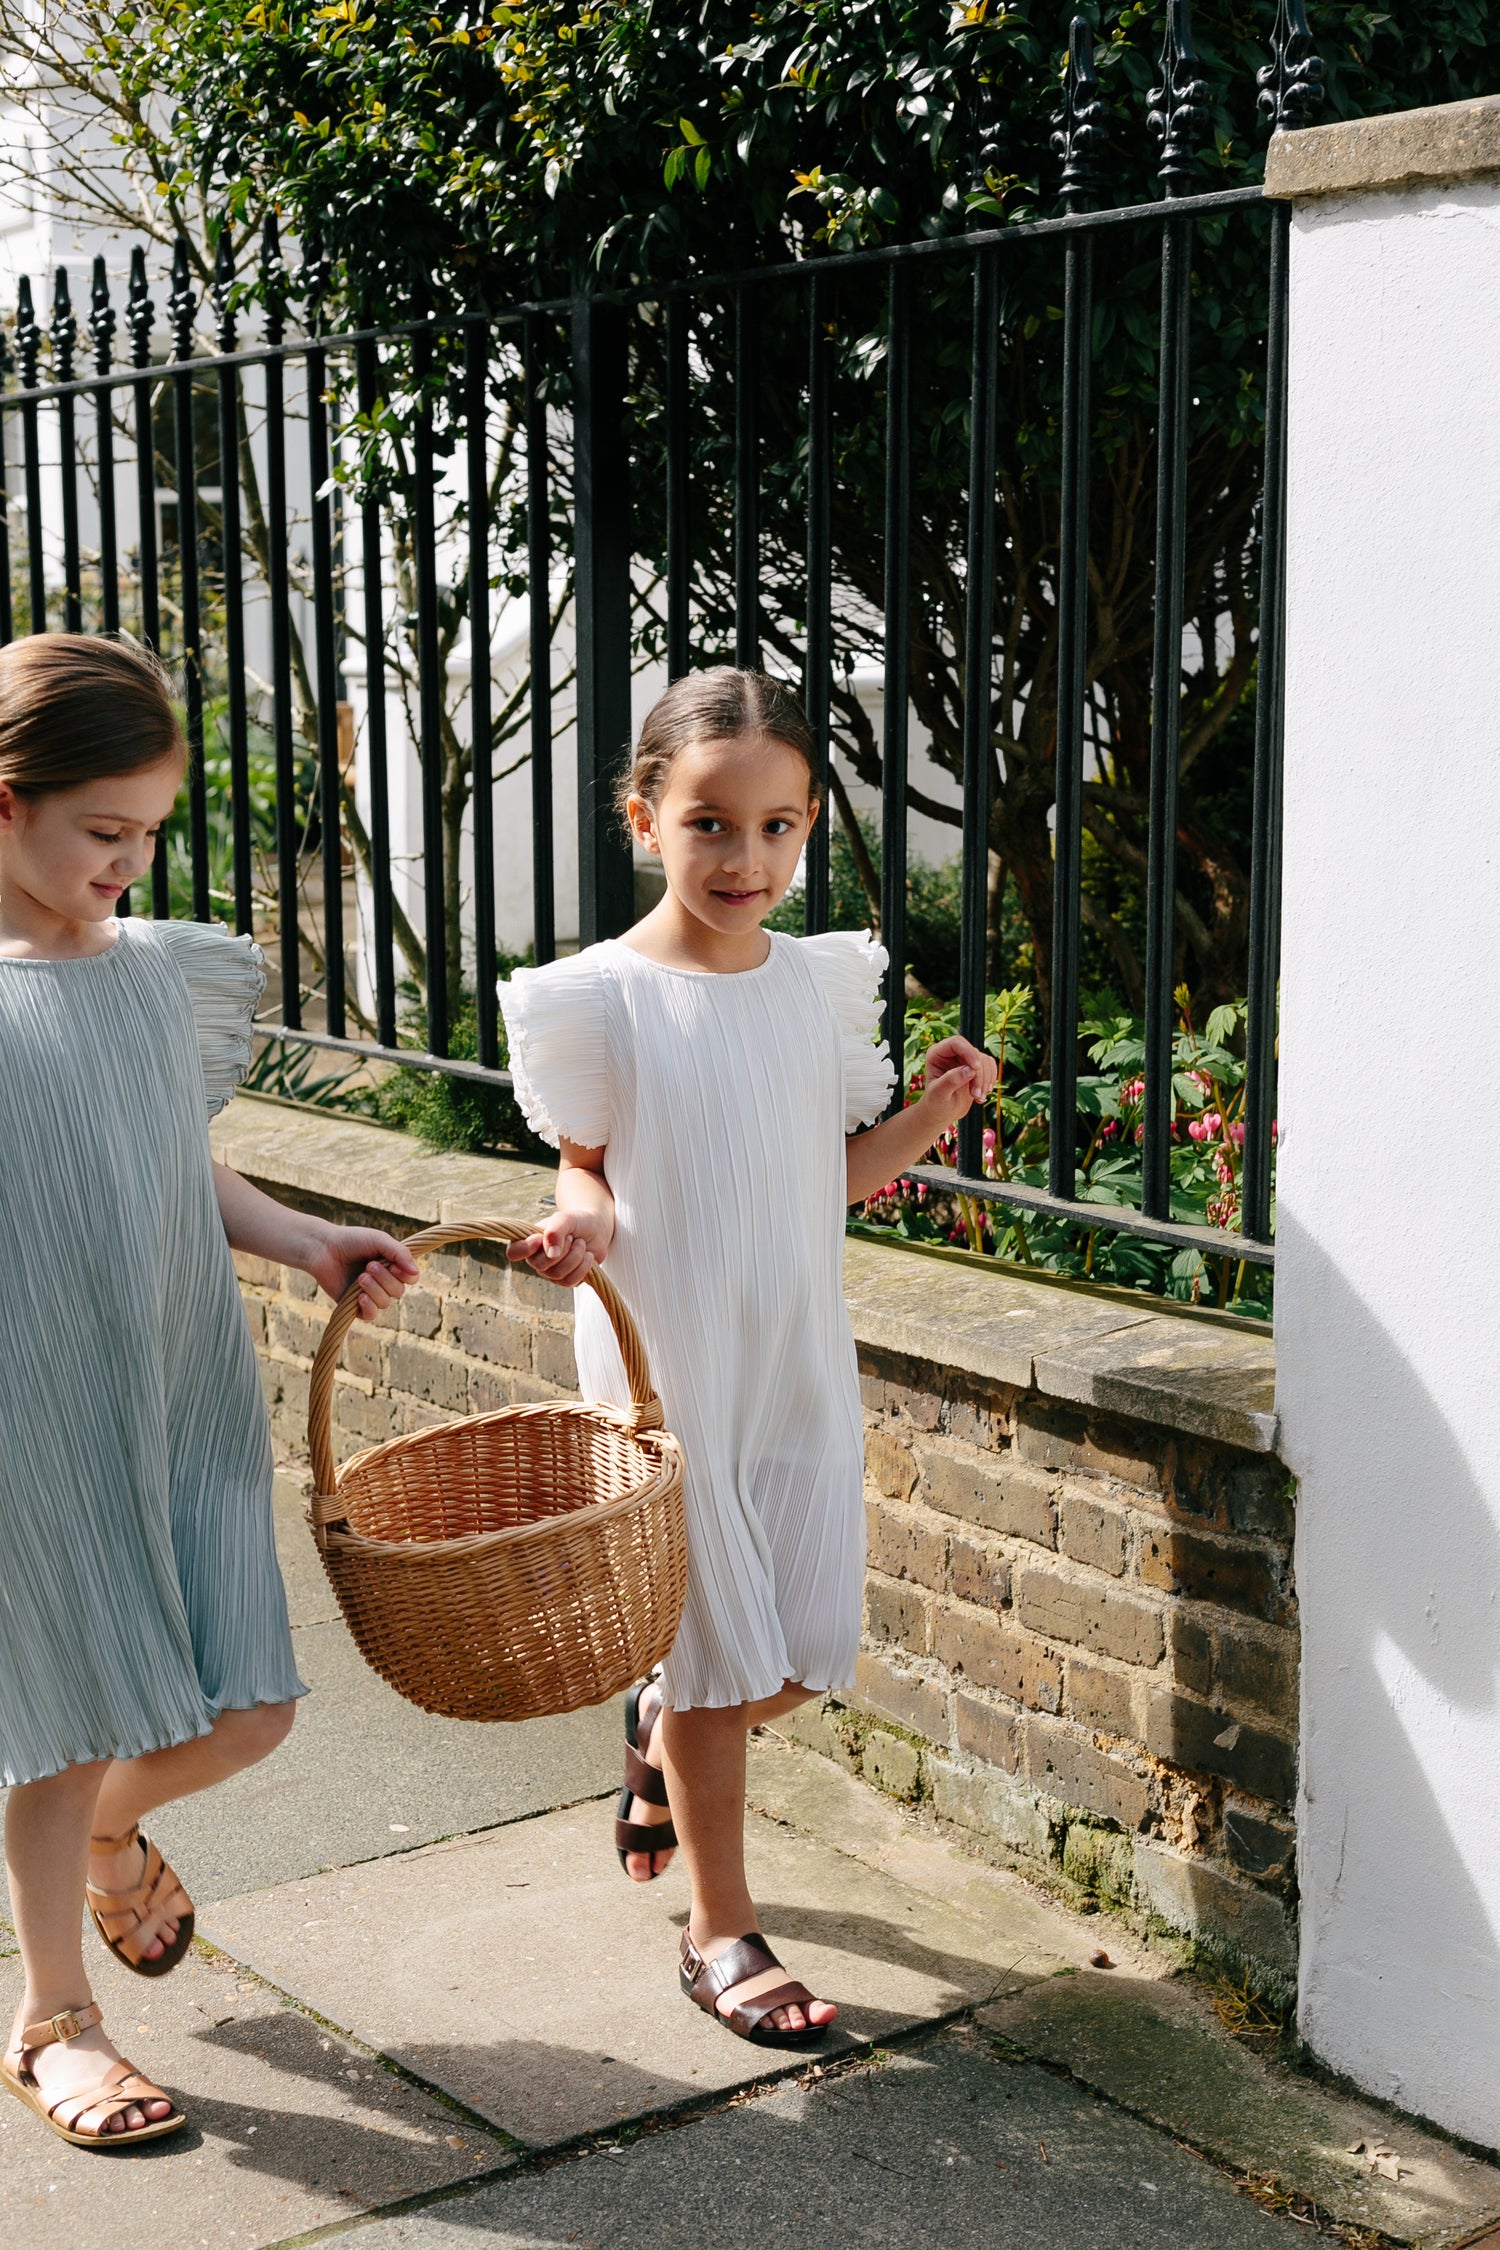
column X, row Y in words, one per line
column 263, row 1228
column 568, row 1245
column 957, row 1076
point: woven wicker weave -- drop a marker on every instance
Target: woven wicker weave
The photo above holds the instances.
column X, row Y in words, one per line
column 512, row 1565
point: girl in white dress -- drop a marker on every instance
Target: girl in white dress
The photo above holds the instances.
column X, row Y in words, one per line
column 144, row 1645
column 700, row 1078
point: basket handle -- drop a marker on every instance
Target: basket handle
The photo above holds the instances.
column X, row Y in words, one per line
column 643, row 1396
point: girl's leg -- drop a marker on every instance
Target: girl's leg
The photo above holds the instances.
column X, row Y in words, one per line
column 47, row 1827
column 703, row 1756
column 133, row 1787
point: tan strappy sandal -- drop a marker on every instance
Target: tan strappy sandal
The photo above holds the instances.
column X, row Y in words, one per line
column 119, row 1914
column 122, row 2087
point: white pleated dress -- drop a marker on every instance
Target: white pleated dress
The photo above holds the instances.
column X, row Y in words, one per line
column 723, row 1102
column 139, row 1589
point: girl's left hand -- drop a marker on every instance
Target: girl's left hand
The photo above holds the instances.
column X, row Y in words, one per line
column 957, row 1075
column 388, row 1267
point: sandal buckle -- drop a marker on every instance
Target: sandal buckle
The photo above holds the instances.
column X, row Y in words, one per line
column 692, row 1960
column 66, row 2026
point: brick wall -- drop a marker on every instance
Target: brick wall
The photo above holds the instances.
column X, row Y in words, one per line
column 1081, row 1635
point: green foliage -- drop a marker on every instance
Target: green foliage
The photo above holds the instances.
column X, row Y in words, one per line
column 459, row 1113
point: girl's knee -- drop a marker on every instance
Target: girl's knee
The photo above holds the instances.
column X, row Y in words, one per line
column 254, row 1734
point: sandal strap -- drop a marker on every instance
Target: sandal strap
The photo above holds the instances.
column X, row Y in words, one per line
column 157, row 1892
column 639, row 1836
column 746, row 1957
column 744, row 2017
column 68, row 2023
column 122, row 2087
column 643, row 1780
column 131, row 1836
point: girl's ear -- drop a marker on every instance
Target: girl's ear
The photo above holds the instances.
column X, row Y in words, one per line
column 10, row 809
column 643, row 824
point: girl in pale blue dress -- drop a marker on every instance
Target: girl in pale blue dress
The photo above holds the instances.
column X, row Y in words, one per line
column 144, row 1645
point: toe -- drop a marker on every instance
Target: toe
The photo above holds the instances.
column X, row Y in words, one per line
column 638, row 1866
column 822, row 2011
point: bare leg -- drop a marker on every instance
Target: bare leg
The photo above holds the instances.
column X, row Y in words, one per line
column 47, row 1825
column 133, row 1787
column 703, row 1756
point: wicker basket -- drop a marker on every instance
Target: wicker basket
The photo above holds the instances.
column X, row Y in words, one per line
column 510, row 1565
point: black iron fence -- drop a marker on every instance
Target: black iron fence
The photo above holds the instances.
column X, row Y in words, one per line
column 280, row 513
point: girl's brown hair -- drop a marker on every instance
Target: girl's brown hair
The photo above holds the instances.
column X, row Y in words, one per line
column 718, row 705
column 76, row 708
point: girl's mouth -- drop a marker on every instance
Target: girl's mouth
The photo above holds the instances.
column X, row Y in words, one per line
column 736, row 898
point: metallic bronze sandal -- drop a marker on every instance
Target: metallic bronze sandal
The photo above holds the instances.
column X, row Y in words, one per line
column 643, row 1781
column 122, row 2087
column 703, row 1982
column 119, row 1914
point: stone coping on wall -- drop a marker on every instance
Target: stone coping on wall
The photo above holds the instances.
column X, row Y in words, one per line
column 1403, row 148
column 1089, row 1349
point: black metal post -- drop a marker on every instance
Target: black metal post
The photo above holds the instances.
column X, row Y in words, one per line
column 747, row 477
column 234, row 595
column 476, row 420
column 894, row 740
column 816, row 686
column 64, row 340
column 679, row 485
column 28, row 350
column 181, row 306
column 325, row 641
column 102, row 330
column 7, row 622
column 429, row 686
column 140, row 315
column 979, row 606
column 288, row 826
column 539, row 587
column 601, row 547
column 367, row 379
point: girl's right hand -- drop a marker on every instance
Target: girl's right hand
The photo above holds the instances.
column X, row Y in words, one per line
column 565, row 1248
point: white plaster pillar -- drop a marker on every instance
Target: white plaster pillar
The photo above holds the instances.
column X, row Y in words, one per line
column 1388, row 1278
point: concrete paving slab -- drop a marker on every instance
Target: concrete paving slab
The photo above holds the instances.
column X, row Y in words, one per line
column 941, row 2146
column 1159, row 2050
column 523, row 1975
column 288, row 2128
column 364, row 1773
column 1219, row 1383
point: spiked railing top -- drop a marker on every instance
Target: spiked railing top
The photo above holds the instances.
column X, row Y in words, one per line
column 1177, row 108
column 101, row 319
column 63, row 328
column 28, row 335
column 273, row 280
column 1291, row 83
column 223, row 290
column 315, row 277
column 140, row 313
column 1080, row 128
column 989, row 140
column 183, row 302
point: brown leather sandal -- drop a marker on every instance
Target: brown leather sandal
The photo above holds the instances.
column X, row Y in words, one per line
column 703, row 1981
column 119, row 1914
column 122, row 2087
column 643, row 1781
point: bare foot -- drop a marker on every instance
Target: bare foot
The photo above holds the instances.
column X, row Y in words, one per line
column 641, row 1866
column 122, row 1871
column 73, row 2066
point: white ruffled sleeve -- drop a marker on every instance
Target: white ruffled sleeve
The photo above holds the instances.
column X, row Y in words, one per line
column 225, row 979
column 849, row 965
column 559, row 1055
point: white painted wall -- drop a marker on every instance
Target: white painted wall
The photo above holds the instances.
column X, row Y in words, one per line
column 1388, row 1284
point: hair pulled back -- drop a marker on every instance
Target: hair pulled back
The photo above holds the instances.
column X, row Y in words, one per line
column 75, row 708
column 721, row 704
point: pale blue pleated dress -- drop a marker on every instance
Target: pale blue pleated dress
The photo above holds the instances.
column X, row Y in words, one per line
column 722, row 1103
column 139, row 1589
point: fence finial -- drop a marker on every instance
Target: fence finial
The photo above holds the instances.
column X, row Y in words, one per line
column 183, row 302
column 224, row 289
column 28, row 335
column 140, row 313
column 1291, row 83
column 316, row 274
column 273, row 283
column 101, row 318
column 63, row 328
column 989, row 144
column 1177, row 108
column 1080, row 132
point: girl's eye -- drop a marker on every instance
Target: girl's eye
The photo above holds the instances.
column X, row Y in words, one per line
column 100, row 836
column 778, row 827
column 708, row 825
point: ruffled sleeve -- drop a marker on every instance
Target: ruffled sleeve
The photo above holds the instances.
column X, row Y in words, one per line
column 849, row 965
column 225, row 979
column 559, row 1055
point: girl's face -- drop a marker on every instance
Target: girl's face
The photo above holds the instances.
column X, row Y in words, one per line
column 73, row 852
column 729, row 828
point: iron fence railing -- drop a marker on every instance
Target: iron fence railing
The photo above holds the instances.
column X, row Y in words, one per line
column 563, row 373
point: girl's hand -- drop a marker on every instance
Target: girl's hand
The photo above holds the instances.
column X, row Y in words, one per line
column 566, row 1247
column 957, row 1074
column 388, row 1267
